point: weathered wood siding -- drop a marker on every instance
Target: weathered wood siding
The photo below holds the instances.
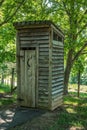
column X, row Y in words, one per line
column 39, row 37
column 57, row 73
column 43, row 78
column 49, row 66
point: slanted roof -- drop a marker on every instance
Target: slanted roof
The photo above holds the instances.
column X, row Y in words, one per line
column 26, row 24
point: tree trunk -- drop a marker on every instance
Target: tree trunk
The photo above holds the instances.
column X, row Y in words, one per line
column 2, row 79
column 12, row 80
column 79, row 74
column 67, row 71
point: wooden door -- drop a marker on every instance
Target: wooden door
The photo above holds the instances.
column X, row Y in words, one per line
column 27, row 89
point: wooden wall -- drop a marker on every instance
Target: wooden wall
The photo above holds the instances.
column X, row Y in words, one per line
column 49, row 64
column 57, row 74
column 38, row 38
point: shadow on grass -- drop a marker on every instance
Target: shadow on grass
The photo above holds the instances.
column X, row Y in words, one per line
column 74, row 114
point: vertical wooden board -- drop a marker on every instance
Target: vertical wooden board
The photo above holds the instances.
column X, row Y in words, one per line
column 36, row 75
column 26, row 78
column 50, row 67
column 22, row 77
column 30, row 78
column 33, row 78
column 18, row 64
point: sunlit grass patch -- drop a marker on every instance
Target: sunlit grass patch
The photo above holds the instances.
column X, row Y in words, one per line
column 74, row 87
column 70, row 100
column 70, row 110
column 82, row 94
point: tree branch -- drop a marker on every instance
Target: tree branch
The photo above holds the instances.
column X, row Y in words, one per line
column 82, row 16
column 10, row 17
column 67, row 11
column 81, row 29
column 79, row 52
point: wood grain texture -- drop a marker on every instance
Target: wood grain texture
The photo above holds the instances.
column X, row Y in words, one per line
column 18, row 65
column 41, row 85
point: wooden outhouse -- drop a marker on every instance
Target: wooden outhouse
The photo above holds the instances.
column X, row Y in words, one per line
column 40, row 64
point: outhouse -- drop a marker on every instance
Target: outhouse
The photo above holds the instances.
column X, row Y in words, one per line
column 40, row 64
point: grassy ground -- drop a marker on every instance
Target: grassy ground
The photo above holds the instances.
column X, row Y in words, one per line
column 71, row 116
column 74, row 115
column 74, row 88
column 4, row 88
column 11, row 98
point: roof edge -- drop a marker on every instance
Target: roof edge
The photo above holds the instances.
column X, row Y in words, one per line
column 36, row 22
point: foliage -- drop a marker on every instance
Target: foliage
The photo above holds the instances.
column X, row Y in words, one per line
column 75, row 41
column 6, row 69
column 84, row 76
column 7, row 49
column 71, row 16
column 80, row 64
column 8, row 9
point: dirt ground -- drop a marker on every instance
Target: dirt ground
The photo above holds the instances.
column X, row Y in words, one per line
column 43, row 122
column 39, row 120
column 14, row 118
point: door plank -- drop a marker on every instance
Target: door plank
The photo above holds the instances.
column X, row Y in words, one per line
column 28, row 78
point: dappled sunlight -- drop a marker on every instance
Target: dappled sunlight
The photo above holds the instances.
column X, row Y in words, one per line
column 77, row 111
column 69, row 100
column 2, row 121
column 15, row 116
column 70, row 110
column 76, row 128
column 1, row 91
column 71, row 103
column 74, row 114
column 74, row 88
column 77, row 124
column 6, row 117
column 84, row 105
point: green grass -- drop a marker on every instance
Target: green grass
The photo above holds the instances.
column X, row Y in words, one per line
column 74, row 87
column 7, row 101
column 74, row 113
column 81, row 95
column 4, row 88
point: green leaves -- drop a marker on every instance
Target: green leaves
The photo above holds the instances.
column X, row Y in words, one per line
column 7, row 43
column 9, row 9
column 70, row 15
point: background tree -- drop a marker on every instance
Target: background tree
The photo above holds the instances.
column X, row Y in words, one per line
column 71, row 16
column 8, row 9
column 74, row 23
